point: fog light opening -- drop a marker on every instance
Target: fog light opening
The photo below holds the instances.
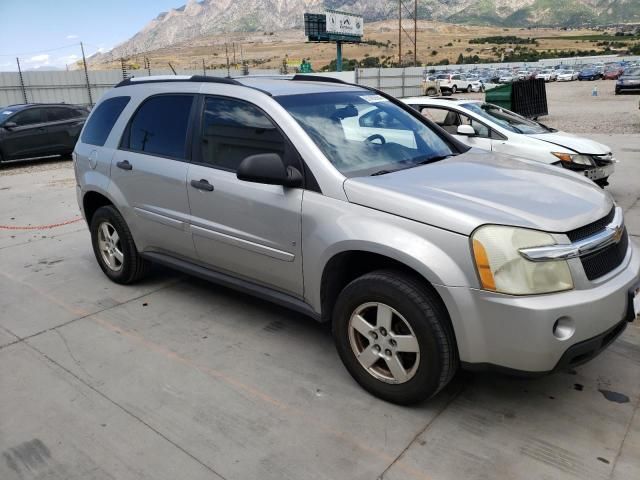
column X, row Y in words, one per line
column 564, row 328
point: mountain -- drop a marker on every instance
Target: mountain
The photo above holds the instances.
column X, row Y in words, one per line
column 208, row 17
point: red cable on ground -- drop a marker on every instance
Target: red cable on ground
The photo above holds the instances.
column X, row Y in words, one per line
column 40, row 227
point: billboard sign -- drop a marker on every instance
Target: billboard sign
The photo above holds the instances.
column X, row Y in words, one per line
column 342, row 23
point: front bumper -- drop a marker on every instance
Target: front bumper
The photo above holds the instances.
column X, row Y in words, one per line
column 594, row 173
column 516, row 333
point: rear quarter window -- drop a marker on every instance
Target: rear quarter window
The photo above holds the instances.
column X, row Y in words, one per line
column 102, row 120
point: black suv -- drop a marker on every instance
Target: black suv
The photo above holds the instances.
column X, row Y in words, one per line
column 39, row 130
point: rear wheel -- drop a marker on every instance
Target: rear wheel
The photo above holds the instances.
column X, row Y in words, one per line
column 431, row 91
column 114, row 247
column 394, row 337
column 454, row 89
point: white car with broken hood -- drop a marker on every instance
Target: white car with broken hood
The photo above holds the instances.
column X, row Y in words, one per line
column 493, row 128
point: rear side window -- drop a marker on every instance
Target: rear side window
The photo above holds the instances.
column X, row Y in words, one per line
column 232, row 130
column 160, row 125
column 56, row 114
column 102, row 121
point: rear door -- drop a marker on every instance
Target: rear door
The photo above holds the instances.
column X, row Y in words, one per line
column 150, row 169
column 64, row 125
column 246, row 229
column 29, row 138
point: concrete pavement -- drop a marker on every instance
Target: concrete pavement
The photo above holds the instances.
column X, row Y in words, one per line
column 178, row 378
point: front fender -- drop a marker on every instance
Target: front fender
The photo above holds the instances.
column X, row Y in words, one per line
column 331, row 227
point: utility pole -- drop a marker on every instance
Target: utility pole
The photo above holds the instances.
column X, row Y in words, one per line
column 234, row 54
column 226, row 49
column 415, row 33
column 86, row 74
column 399, row 33
column 24, row 90
column 204, row 68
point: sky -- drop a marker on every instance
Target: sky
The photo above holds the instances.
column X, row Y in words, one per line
column 34, row 30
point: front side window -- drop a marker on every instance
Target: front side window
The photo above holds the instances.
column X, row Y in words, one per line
column 160, row 125
column 355, row 148
column 28, row 117
column 506, row 118
column 233, row 130
column 102, row 120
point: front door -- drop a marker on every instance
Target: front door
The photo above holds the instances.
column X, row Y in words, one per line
column 249, row 230
column 150, row 171
column 29, row 138
column 450, row 120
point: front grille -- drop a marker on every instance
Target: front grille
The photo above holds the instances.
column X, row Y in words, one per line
column 595, row 227
column 606, row 260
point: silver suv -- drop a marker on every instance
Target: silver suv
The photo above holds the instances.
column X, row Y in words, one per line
column 341, row 202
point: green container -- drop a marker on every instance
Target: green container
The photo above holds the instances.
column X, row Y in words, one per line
column 500, row 96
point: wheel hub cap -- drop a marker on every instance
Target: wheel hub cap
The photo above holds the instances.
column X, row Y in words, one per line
column 110, row 247
column 384, row 343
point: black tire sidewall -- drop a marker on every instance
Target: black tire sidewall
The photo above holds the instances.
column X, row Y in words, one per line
column 129, row 251
column 425, row 324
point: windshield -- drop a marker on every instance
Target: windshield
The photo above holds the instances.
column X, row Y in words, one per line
column 506, row 119
column 363, row 133
column 4, row 114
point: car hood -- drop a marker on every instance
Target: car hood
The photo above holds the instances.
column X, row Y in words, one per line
column 476, row 188
column 572, row 142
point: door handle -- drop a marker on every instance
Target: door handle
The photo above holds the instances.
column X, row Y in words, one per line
column 124, row 165
column 202, row 184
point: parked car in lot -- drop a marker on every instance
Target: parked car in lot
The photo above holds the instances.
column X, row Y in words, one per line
column 496, row 129
column 39, row 130
column 345, row 204
column 589, row 74
column 630, row 80
column 566, row 75
column 549, row 75
column 507, row 78
column 457, row 83
column 612, row 73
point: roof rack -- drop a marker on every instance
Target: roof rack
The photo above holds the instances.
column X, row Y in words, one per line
column 318, row 78
column 176, row 78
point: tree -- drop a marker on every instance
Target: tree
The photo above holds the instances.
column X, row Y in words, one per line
column 460, row 60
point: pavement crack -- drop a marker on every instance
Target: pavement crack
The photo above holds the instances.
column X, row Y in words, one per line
column 125, row 410
column 454, row 396
column 90, row 314
column 624, row 439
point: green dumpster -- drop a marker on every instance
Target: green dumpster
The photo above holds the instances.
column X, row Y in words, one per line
column 500, row 96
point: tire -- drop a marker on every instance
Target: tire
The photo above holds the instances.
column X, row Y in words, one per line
column 125, row 266
column 416, row 313
column 431, row 92
column 469, row 89
column 454, row 90
column 602, row 182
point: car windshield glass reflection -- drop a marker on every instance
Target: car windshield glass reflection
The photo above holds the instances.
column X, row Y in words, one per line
column 506, row 118
column 362, row 133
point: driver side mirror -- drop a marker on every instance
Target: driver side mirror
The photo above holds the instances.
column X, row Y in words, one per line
column 268, row 168
column 466, row 130
column 10, row 125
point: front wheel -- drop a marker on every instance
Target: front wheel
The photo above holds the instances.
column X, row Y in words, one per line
column 469, row 90
column 394, row 337
column 114, row 247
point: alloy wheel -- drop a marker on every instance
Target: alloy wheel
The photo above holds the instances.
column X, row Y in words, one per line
column 110, row 247
column 384, row 343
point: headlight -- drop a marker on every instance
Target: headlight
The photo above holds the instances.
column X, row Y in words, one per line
column 502, row 269
column 573, row 158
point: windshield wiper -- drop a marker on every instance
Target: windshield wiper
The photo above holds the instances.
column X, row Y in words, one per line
column 384, row 172
column 436, row 158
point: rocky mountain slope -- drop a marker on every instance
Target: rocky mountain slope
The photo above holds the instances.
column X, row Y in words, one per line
column 208, row 17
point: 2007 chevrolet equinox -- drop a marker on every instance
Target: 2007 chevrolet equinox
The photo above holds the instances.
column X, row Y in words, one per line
column 340, row 202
